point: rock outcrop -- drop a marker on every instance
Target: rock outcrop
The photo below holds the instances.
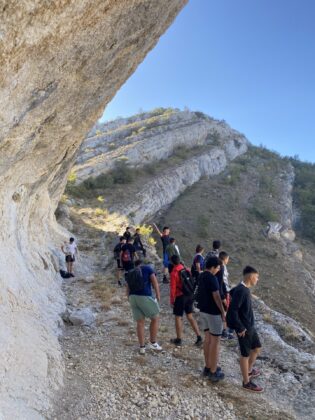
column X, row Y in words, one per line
column 60, row 63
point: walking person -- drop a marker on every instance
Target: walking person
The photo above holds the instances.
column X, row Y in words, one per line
column 137, row 243
column 181, row 303
column 70, row 250
column 240, row 317
column 117, row 251
column 212, row 315
column 127, row 255
column 165, row 238
column 127, row 233
column 140, row 281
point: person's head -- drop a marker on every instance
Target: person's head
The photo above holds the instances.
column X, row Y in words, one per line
column 166, row 230
column 172, row 240
column 224, row 257
column 138, row 262
column 216, row 245
column 199, row 249
column 138, row 230
column 122, row 239
column 71, row 240
column 213, row 265
column 251, row 276
column 175, row 259
column 127, row 229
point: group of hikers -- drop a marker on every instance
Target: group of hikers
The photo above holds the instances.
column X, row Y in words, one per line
column 224, row 312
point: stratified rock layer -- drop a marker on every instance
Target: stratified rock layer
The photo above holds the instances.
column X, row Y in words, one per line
column 60, row 64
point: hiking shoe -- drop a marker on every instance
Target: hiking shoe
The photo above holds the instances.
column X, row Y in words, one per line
column 254, row 373
column 198, row 342
column 72, row 275
column 206, row 371
column 176, row 341
column 224, row 335
column 252, row 387
column 142, row 350
column 154, row 346
column 216, row 377
column 230, row 336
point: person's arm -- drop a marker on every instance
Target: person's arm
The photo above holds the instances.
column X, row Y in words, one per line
column 62, row 249
column 172, row 287
column 156, row 287
column 236, row 303
column 157, row 229
column 127, row 291
column 218, row 301
column 120, row 256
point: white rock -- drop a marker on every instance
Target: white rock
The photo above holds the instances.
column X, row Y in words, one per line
column 83, row 316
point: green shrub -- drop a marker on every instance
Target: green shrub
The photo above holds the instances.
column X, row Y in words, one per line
column 263, row 213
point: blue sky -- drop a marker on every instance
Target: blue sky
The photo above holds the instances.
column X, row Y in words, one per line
column 250, row 62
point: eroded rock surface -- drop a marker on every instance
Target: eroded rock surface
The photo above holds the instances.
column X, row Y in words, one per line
column 60, row 64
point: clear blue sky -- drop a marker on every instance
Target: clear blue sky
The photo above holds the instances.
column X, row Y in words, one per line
column 250, row 62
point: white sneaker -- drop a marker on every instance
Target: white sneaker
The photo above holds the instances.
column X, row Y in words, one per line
column 154, row 346
column 142, row 350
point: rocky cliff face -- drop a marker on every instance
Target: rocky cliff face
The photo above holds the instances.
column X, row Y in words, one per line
column 60, row 64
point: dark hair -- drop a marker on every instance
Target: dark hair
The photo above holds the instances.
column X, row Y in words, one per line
column 137, row 263
column 121, row 238
column 165, row 227
column 199, row 248
column 137, row 229
column 172, row 240
column 212, row 262
column 175, row 259
column 249, row 270
column 216, row 244
column 223, row 255
column 128, row 227
column 71, row 239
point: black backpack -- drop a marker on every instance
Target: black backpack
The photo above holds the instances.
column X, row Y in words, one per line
column 188, row 283
column 135, row 280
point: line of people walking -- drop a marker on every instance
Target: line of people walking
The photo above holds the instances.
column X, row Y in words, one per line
column 224, row 312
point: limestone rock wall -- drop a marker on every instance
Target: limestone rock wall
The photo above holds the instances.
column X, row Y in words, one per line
column 60, row 63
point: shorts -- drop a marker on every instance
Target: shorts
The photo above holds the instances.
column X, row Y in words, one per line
column 70, row 258
column 165, row 260
column 183, row 304
column 128, row 265
column 211, row 323
column 143, row 307
column 119, row 264
column 249, row 342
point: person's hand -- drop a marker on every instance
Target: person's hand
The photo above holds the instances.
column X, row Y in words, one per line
column 242, row 334
column 223, row 315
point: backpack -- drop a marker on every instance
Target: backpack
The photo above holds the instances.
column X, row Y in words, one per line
column 64, row 274
column 135, row 280
column 211, row 254
column 188, row 284
column 126, row 257
column 117, row 250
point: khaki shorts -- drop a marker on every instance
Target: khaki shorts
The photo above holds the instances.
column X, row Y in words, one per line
column 143, row 307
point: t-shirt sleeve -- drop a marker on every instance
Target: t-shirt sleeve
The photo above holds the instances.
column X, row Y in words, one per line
column 150, row 271
column 198, row 259
column 214, row 285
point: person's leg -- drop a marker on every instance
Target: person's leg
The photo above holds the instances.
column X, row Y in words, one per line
column 193, row 324
column 68, row 266
column 252, row 358
column 154, row 326
column 71, row 267
column 244, row 368
column 179, row 326
column 206, row 349
column 140, row 331
column 214, row 350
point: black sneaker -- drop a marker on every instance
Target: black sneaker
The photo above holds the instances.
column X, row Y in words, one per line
column 119, row 283
column 252, row 387
column 165, row 280
column 216, row 377
column 176, row 341
column 198, row 342
column 206, row 371
column 72, row 275
column 224, row 335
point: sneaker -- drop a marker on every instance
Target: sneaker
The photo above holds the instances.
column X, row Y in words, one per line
column 154, row 346
column 230, row 336
column 165, row 280
column 142, row 350
column 216, row 377
column 72, row 275
column 206, row 371
column 119, row 283
column 254, row 373
column 224, row 335
column 252, row 387
column 176, row 341
column 198, row 342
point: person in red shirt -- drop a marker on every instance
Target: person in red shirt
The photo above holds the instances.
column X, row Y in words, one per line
column 181, row 304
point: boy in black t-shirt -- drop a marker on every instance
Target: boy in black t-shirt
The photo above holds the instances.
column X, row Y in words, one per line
column 241, row 318
column 165, row 238
column 127, row 255
column 117, row 251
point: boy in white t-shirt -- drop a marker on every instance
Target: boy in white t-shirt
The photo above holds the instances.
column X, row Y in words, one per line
column 70, row 249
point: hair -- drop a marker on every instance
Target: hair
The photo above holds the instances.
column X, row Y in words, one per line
column 128, row 227
column 121, row 238
column 71, row 240
column 172, row 240
column 223, row 255
column 212, row 262
column 249, row 270
column 137, row 263
column 175, row 259
column 165, row 228
column 199, row 248
column 138, row 229
column 216, row 244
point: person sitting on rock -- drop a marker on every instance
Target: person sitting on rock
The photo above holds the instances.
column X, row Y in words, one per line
column 181, row 304
column 117, row 251
column 137, row 242
column 70, row 250
column 240, row 316
column 139, row 292
column 165, row 238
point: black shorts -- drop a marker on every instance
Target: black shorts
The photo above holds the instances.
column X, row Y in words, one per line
column 119, row 264
column 128, row 265
column 249, row 342
column 183, row 304
column 69, row 258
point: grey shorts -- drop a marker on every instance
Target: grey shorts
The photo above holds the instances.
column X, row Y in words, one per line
column 211, row 323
